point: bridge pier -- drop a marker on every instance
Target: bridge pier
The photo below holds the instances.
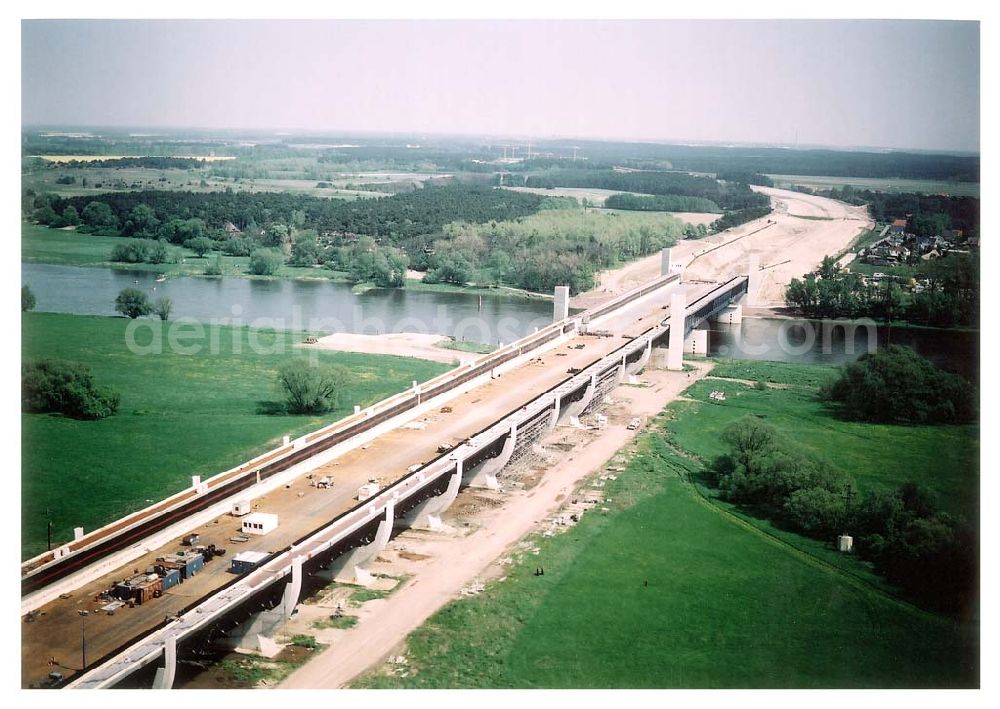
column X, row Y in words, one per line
column 560, row 304
column 665, row 262
column 697, row 343
column 486, row 474
column 164, row 678
column 732, row 314
column 426, row 515
column 293, row 589
column 349, row 568
column 675, row 351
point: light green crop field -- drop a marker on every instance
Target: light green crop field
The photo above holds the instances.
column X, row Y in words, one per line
column 180, row 415
column 884, row 184
column 669, row 589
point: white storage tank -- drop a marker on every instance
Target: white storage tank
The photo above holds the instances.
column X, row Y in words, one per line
column 260, row 523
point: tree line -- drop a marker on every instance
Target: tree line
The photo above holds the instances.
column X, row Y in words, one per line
column 727, row 195
column 399, row 216
column 660, row 203
column 949, row 297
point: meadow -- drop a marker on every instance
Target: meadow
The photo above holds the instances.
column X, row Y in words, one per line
column 180, row 415
column 66, row 247
column 670, row 589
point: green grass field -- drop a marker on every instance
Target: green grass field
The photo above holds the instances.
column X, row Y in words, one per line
column 671, row 590
column 68, row 248
column 180, row 415
column 884, row 184
column 876, row 456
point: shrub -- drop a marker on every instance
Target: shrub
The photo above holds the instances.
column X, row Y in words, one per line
column 214, row 268
column 68, row 388
column 132, row 303
column 310, row 389
column 162, row 308
column 266, row 262
column 896, row 385
column 27, row 299
column 240, row 246
column 201, row 245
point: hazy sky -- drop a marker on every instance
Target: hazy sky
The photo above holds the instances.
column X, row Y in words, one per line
column 863, row 83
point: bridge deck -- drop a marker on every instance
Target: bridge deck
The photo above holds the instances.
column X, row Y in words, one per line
column 301, row 509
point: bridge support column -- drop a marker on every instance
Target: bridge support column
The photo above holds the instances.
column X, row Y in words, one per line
column 554, row 419
column 349, row 568
column 639, row 364
column 560, row 306
column 675, row 353
column 486, row 475
column 293, row 590
column 576, row 408
column 696, row 343
column 164, row 678
column 426, row 515
column 730, row 315
column 665, row 262
column 755, row 276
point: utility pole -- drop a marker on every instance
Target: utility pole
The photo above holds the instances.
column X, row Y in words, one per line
column 83, row 636
column 848, row 496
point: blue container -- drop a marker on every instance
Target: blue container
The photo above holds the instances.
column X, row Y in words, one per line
column 193, row 565
column 171, row 578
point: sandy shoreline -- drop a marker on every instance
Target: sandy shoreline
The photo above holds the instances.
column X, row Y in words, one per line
column 400, row 344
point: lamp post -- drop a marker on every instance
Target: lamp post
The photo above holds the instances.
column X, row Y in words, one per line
column 83, row 636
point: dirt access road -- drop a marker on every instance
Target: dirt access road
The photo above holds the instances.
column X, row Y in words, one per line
column 791, row 241
column 440, row 565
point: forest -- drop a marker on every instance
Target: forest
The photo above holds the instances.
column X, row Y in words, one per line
column 556, row 247
column 727, row 195
column 398, row 217
column 962, row 212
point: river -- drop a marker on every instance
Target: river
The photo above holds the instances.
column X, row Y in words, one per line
column 332, row 307
column 809, row 341
column 291, row 304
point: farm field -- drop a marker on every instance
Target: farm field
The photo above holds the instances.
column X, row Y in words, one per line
column 98, row 180
column 885, row 184
column 179, row 415
column 668, row 589
column 92, row 158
